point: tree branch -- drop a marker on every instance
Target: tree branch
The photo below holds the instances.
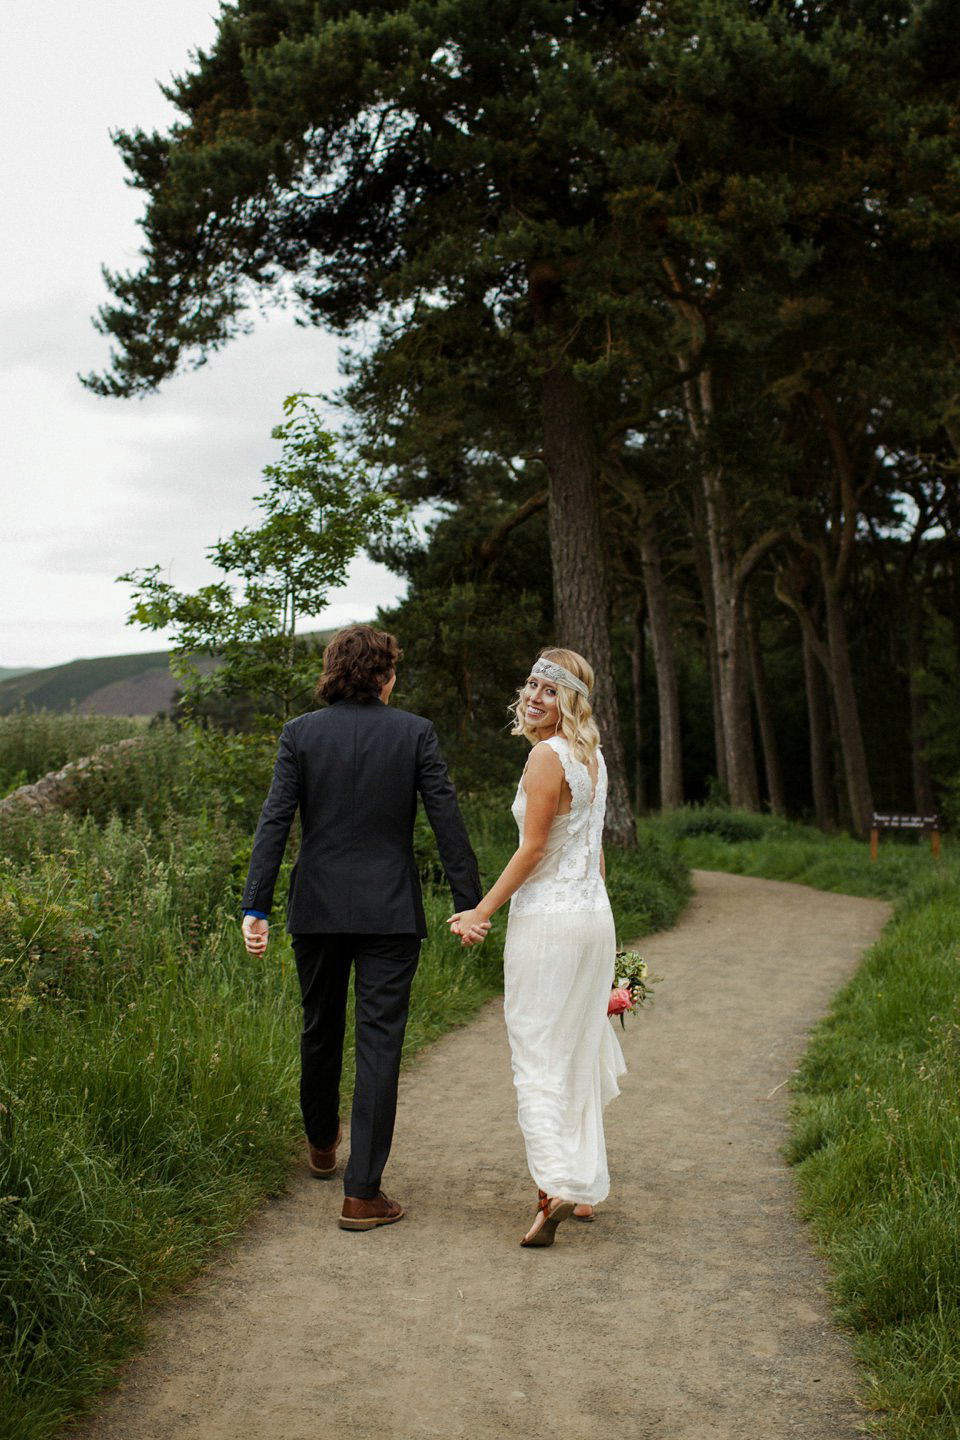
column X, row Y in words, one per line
column 758, row 551
column 640, row 417
column 849, row 501
column 794, row 603
column 494, row 540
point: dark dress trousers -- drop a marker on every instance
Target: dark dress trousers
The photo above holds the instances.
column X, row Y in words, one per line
column 354, row 772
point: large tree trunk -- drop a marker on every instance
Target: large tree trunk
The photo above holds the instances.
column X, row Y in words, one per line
column 856, row 466
column 844, row 815
column 719, row 744
column 922, row 785
column 726, row 592
column 731, row 649
column 824, row 802
column 789, row 587
column 859, row 793
column 638, row 673
column 664, row 658
column 768, row 733
column 702, row 565
column 576, row 552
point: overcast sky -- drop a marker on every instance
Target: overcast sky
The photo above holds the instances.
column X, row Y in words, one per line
column 94, row 487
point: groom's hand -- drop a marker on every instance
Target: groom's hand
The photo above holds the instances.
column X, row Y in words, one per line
column 256, row 932
column 469, row 926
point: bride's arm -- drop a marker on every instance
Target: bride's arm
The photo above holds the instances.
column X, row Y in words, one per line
column 543, row 782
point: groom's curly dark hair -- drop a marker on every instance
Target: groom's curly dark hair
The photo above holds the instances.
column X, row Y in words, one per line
column 357, row 663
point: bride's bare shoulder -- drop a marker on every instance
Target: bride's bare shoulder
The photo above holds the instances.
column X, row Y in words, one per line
column 545, row 751
column 543, row 763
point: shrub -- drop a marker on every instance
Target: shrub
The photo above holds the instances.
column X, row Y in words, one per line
column 648, row 886
column 732, row 826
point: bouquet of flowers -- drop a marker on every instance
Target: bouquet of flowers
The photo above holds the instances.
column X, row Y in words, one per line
column 630, row 985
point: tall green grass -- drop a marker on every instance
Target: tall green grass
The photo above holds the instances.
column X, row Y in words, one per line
column 136, row 1132
column 876, row 1115
column 148, row 1065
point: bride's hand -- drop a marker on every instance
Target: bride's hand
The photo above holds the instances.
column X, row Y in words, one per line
column 469, row 926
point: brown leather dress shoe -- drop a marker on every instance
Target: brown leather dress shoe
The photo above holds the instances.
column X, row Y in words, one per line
column 359, row 1214
column 322, row 1163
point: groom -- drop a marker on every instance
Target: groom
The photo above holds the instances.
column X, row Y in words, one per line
column 354, row 770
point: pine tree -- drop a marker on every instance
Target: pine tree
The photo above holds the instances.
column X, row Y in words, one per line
column 570, row 222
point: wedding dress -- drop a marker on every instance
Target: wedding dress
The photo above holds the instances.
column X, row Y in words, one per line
column 558, row 968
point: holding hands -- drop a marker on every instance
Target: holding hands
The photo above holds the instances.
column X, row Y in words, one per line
column 470, row 926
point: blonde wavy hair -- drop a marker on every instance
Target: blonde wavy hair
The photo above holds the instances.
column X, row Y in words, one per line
column 577, row 724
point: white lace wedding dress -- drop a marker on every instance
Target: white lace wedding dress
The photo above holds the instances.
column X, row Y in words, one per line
column 558, row 968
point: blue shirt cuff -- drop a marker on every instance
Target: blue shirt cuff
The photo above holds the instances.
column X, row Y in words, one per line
column 258, row 913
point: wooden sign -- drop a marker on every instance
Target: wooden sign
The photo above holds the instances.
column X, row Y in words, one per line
column 922, row 823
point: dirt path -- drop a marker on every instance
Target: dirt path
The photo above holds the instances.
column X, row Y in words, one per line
column 692, row 1308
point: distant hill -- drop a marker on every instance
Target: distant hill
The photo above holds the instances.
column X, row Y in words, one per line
column 109, row 685
column 6, row 673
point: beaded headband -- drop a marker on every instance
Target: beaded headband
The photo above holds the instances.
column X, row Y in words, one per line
column 560, row 675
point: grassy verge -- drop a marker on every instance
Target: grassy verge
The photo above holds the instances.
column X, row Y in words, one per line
column 148, row 1066
column 876, row 1118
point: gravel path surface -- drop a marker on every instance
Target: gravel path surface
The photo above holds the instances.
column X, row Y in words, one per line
column 693, row 1308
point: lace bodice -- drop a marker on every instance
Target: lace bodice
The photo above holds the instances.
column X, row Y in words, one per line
column 568, row 877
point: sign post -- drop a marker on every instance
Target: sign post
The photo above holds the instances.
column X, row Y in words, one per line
column 923, row 823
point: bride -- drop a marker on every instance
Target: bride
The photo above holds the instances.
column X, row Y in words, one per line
column 560, row 946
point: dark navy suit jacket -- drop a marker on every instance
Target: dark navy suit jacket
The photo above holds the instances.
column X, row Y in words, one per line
column 354, row 771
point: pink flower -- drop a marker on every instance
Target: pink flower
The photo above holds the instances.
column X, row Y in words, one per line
column 620, row 1001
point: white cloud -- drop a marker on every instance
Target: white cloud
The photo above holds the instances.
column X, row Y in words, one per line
column 93, row 487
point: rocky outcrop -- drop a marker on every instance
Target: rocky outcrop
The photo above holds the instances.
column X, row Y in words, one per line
column 59, row 788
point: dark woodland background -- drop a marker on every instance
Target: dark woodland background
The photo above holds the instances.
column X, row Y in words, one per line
column 656, row 305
